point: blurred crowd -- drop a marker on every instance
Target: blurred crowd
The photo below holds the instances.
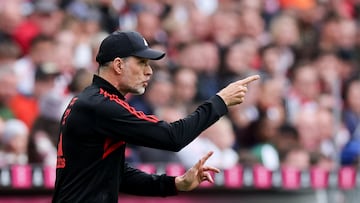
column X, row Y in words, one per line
column 304, row 112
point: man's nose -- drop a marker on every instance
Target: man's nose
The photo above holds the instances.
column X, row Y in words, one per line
column 148, row 70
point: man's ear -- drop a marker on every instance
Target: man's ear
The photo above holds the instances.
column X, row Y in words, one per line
column 118, row 65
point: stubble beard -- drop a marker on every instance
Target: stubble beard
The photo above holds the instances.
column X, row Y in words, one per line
column 138, row 91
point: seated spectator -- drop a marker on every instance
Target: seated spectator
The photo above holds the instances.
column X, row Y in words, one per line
column 304, row 90
column 351, row 114
column 218, row 138
column 185, row 89
column 14, row 140
column 44, row 132
column 9, row 50
column 267, row 110
column 297, row 158
column 43, row 136
column 309, row 132
column 333, row 134
column 350, row 154
column 263, row 131
column 8, row 90
column 26, row 107
column 286, row 138
column 320, row 160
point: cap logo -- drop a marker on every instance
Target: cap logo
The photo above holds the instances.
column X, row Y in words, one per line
column 145, row 42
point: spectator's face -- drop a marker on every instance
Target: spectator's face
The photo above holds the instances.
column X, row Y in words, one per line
column 148, row 25
column 330, row 33
column 285, row 31
column 225, row 28
column 44, row 85
column 192, row 57
column 18, row 144
column 306, row 83
column 185, row 86
column 308, row 128
column 353, row 99
column 299, row 159
column 49, row 23
column 211, row 57
column 328, row 68
column 159, row 94
column 347, row 34
column 200, row 26
column 271, row 60
column 271, row 94
column 135, row 75
column 253, row 24
column 325, row 124
column 10, row 15
column 42, row 52
column 236, row 60
column 8, row 84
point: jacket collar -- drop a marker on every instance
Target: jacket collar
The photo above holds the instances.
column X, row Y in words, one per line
column 105, row 85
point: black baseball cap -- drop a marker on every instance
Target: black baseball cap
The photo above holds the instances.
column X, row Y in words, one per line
column 123, row 44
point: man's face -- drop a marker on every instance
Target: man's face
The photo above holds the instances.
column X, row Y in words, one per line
column 136, row 75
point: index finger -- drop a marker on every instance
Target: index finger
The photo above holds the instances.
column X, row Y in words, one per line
column 249, row 79
column 205, row 158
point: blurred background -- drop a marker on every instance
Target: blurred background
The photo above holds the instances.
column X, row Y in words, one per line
column 296, row 138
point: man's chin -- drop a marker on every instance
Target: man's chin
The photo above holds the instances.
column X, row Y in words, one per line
column 139, row 91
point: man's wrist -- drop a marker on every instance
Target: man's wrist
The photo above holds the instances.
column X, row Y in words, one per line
column 179, row 183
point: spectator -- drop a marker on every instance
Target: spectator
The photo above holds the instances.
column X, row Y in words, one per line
column 42, row 18
column 185, row 89
column 285, row 139
column 41, row 147
column 41, row 51
column 10, row 16
column 304, row 90
column 333, row 134
column 9, row 50
column 208, row 78
column 253, row 26
column 8, row 90
column 307, row 126
column 270, row 64
column 14, row 140
column 239, row 60
column 226, row 28
column 224, row 155
column 351, row 115
column 26, row 108
column 351, row 118
column 298, row 158
column 285, row 35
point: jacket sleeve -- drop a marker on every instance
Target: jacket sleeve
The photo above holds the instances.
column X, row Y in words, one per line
column 136, row 182
column 117, row 119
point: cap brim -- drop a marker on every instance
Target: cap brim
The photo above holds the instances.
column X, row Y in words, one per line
column 150, row 54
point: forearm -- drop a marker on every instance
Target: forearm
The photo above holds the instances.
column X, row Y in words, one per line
column 175, row 136
column 139, row 183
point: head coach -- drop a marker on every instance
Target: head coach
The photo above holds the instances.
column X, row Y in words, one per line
column 98, row 123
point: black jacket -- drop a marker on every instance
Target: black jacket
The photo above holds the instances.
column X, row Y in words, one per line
column 94, row 130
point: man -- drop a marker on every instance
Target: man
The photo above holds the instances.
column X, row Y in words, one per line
column 99, row 122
